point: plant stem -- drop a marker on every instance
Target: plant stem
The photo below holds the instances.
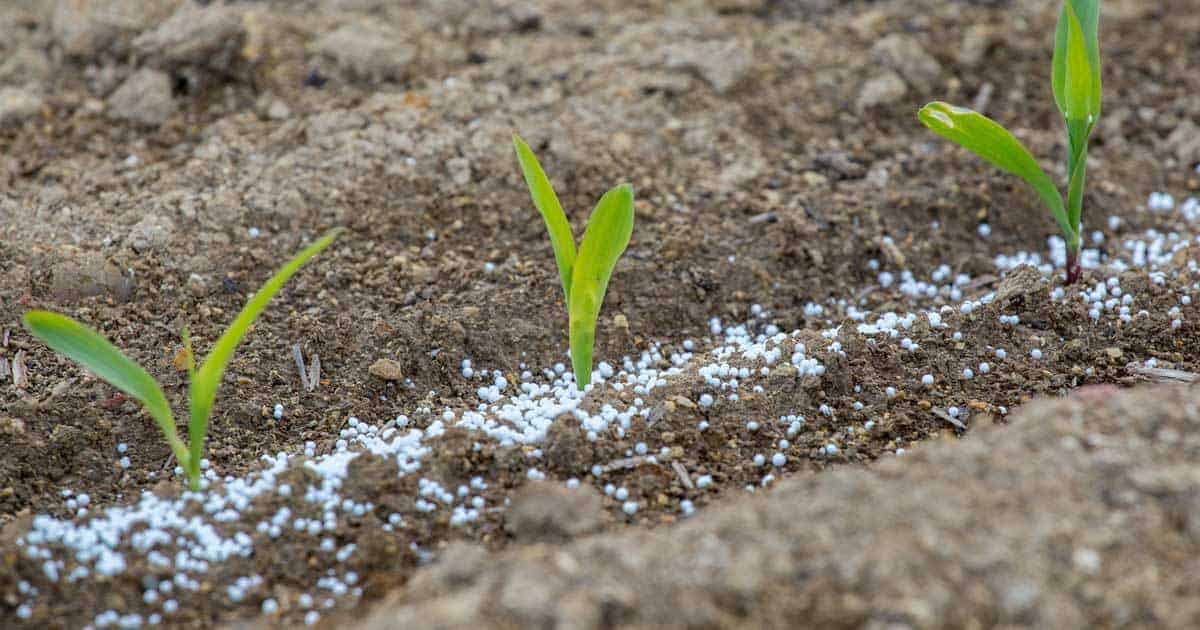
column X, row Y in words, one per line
column 1074, row 269
column 193, row 475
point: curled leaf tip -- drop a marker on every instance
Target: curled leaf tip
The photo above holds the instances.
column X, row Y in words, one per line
column 940, row 116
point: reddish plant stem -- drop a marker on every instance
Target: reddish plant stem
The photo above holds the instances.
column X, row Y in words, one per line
column 1074, row 269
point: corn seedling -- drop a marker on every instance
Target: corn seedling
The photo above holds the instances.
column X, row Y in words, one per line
column 91, row 350
column 585, row 274
column 1075, row 80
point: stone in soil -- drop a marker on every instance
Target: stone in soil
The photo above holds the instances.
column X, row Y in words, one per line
column 368, row 52
column 387, row 369
column 201, row 36
column 143, row 98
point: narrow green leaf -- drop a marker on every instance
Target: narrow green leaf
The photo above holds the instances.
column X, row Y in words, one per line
column 987, row 139
column 1076, row 53
column 1078, row 133
column 1078, row 89
column 1058, row 66
column 542, row 193
column 91, row 350
column 605, row 239
column 1088, row 13
column 208, row 377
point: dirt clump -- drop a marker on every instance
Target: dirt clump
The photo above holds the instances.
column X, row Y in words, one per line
column 553, row 513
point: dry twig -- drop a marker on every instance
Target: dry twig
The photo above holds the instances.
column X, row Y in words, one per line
column 949, row 418
column 20, row 374
column 684, row 478
column 1162, row 375
column 296, row 354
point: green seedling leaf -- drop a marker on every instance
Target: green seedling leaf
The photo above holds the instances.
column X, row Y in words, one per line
column 584, row 274
column 1075, row 80
column 605, row 239
column 1079, row 90
column 91, row 350
column 987, row 139
column 207, row 378
column 94, row 352
column 1075, row 74
column 1077, row 95
column 561, row 238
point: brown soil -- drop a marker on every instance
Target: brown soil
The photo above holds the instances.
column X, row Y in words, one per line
column 759, row 181
column 1081, row 514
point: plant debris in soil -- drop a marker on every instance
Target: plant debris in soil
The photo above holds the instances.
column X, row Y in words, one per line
column 813, row 283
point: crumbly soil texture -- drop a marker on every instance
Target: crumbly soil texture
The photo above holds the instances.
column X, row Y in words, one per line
column 815, row 282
